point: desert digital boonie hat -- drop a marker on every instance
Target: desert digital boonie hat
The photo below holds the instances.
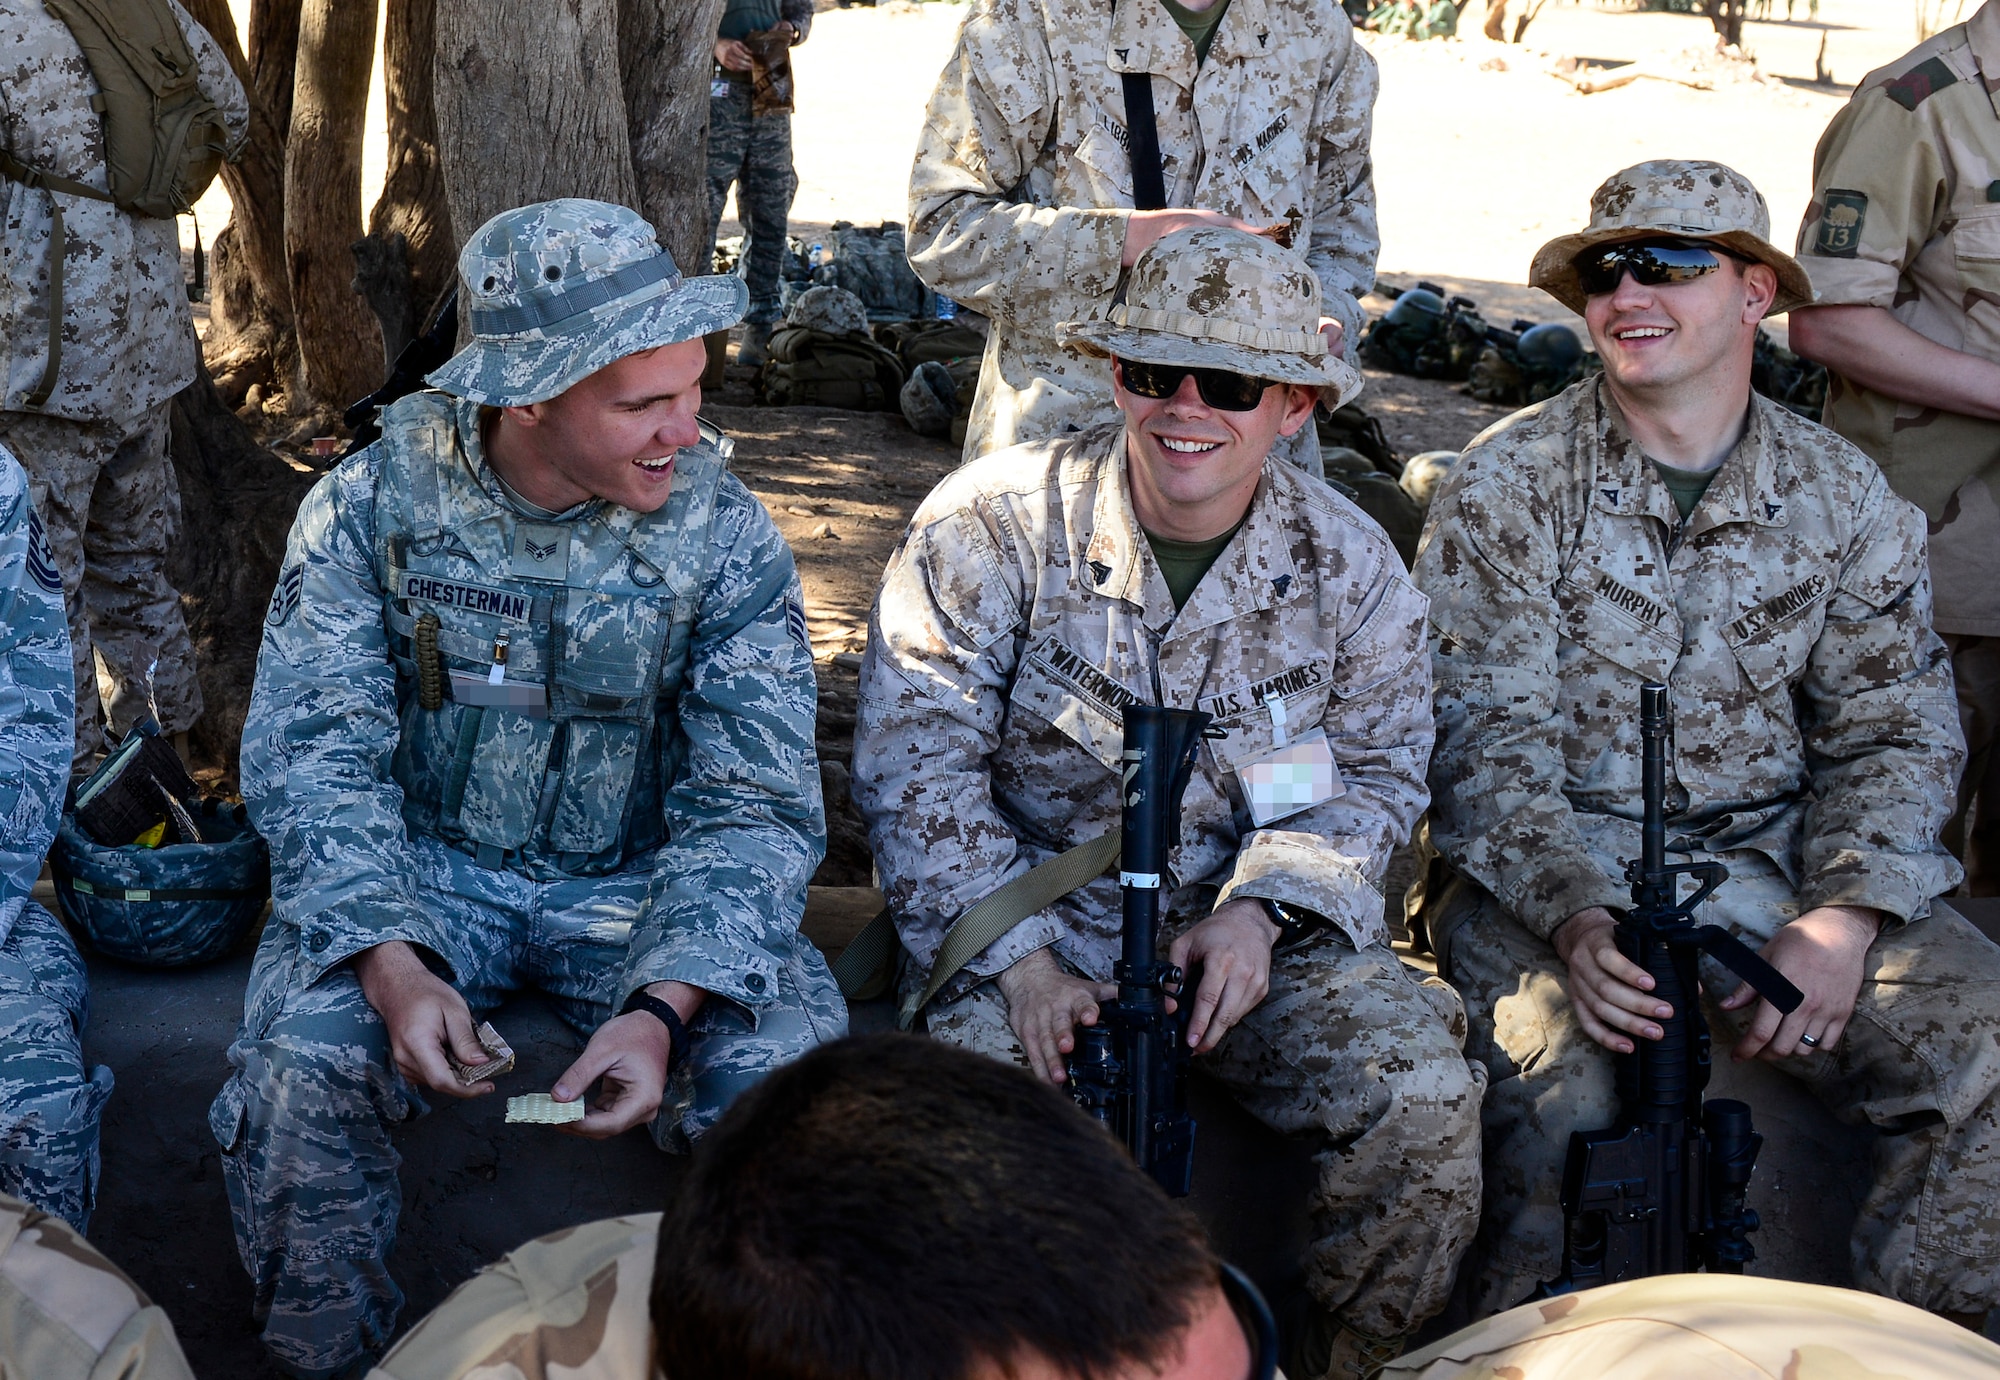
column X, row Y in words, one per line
column 1213, row 298
column 1674, row 198
column 559, row 289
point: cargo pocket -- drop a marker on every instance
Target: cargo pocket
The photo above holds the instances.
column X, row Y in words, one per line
column 599, row 758
column 228, row 1112
column 504, row 782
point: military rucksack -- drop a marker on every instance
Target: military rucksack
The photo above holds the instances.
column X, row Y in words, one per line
column 815, row 368
column 163, row 137
column 874, row 265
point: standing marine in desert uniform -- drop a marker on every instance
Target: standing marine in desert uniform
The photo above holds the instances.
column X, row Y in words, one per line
column 1021, row 199
column 534, row 709
column 1170, row 559
column 1662, row 523
column 1902, row 242
column 84, row 399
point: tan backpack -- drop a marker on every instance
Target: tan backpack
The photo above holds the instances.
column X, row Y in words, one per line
column 164, row 138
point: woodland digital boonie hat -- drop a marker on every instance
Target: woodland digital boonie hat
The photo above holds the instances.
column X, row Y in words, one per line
column 559, row 289
column 1212, row 298
column 1674, row 198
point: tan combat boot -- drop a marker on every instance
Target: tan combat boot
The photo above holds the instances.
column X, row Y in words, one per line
column 1328, row 1348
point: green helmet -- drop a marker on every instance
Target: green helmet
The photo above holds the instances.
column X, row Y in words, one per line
column 1550, row 350
column 1419, row 307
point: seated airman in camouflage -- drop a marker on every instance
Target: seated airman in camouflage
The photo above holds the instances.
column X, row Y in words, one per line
column 534, row 709
column 1171, row 559
column 50, row 1102
column 1662, row 523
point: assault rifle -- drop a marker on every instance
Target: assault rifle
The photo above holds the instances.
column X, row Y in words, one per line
column 1130, row 1069
column 1662, row 1191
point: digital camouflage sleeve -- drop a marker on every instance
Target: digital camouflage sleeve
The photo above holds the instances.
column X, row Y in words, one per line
column 36, row 715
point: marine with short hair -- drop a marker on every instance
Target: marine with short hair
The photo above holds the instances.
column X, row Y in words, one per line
column 1022, row 194
column 885, row 1208
column 1662, row 523
column 1171, row 559
column 534, row 709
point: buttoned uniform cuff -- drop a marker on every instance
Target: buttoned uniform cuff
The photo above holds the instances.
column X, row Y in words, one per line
column 1345, row 308
column 1551, row 890
column 743, row 974
column 1305, row 870
column 1852, row 282
column 1900, row 889
column 331, row 937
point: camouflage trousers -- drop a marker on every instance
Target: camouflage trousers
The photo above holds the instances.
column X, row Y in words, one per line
column 755, row 155
column 50, row 1104
column 1917, row 1062
column 112, row 506
column 305, row 1122
column 1351, row 1052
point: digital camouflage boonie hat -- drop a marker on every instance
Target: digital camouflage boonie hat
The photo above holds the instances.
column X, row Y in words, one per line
column 559, row 289
column 1684, row 199
column 1213, row 298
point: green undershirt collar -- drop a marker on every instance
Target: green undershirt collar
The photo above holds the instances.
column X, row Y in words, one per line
column 1199, row 26
column 1183, row 563
column 1686, row 486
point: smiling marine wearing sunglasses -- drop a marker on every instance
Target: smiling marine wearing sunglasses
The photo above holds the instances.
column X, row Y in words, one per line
column 1171, row 559
column 1663, row 523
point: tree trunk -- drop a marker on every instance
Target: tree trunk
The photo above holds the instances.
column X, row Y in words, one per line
column 667, row 47
column 402, row 281
column 529, row 106
column 250, row 315
column 237, row 504
column 339, row 344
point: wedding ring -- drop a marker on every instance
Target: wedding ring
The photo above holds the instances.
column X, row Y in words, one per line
column 1809, row 1041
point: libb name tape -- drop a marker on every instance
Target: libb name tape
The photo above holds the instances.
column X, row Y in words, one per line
column 539, row 1109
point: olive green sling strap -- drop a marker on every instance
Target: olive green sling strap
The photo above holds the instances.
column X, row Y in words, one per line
column 866, row 967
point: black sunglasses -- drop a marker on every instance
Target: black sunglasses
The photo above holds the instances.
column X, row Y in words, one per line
column 1219, row 388
column 1259, row 1327
column 1652, row 263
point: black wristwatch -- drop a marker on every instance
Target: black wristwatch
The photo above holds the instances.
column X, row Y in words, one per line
column 677, row 1034
column 1295, row 924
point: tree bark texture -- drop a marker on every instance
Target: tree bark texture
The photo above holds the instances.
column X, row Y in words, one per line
column 412, row 203
column 667, row 51
column 250, row 317
column 340, row 347
column 529, row 106
column 237, row 504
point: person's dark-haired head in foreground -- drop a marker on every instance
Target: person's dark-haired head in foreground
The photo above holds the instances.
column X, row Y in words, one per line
column 890, row 1208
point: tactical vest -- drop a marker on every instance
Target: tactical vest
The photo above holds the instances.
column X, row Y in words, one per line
column 595, row 614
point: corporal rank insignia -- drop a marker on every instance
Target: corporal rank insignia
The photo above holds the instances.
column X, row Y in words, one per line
column 795, row 622
column 41, row 561
column 1840, row 224
column 1920, row 83
column 285, row 598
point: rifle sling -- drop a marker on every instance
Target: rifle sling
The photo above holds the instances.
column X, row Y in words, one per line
column 865, row 966
column 14, row 169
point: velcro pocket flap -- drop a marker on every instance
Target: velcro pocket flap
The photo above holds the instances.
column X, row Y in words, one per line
column 600, row 757
column 504, row 783
column 1614, row 621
